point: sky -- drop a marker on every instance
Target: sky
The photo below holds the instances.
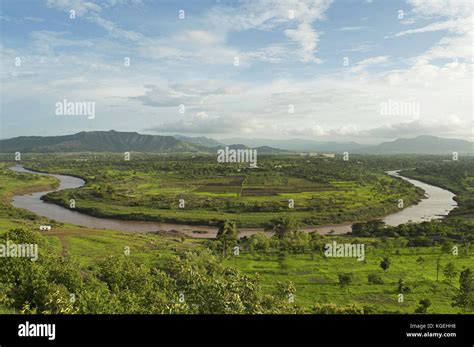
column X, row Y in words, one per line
column 341, row 70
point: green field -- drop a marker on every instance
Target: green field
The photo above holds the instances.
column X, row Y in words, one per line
column 315, row 277
column 150, row 187
column 117, row 272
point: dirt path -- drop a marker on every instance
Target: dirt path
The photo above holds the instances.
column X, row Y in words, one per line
column 63, row 235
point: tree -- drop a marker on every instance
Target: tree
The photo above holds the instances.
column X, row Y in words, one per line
column 420, row 261
column 387, row 246
column 375, row 226
column 359, row 229
column 226, row 233
column 286, row 291
column 447, row 246
column 374, row 279
column 449, row 272
column 465, row 297
column 284, row 225
column 423, row 306
column 402, row 288
column 344, row 280
column 120, row 284
column 385, row 263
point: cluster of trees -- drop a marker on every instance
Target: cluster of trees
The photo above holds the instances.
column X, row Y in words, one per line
column 192, row 283
column 287, row 239
column 422, row 234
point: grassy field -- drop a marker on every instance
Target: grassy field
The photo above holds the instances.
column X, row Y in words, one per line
column 12, row 183
column 151, row 188
column 86, row 245
column 315, row 277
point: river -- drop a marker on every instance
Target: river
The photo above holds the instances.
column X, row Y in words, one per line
column 438, row 203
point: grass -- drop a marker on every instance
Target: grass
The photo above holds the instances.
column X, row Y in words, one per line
column 150, row 190
column 315, row 277
column 86, row 245
column 316, row 280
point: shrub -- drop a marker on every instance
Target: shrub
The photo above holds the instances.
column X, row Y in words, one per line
column 375, row 279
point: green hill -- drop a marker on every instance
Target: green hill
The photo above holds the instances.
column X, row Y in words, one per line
column 98, row 141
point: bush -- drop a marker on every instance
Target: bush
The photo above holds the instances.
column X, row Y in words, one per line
column 375, row 279
column 119, row 284
column 345, row 279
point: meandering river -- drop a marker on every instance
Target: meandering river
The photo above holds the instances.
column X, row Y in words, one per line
column 438, row 203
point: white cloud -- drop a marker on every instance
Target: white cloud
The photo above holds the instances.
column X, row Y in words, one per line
column 191, row 94
column 197, row 124
column 79, row 6
column 457, row 26
column 364, row 64
column 272, row 14
column 115, row 30
column 449, row 127
column 194, row 67
column 361, row 47
column 352, row 28
column 453, row 16
column 442, row 8
column 308, row 39
column 331, row 107
column 200, row 38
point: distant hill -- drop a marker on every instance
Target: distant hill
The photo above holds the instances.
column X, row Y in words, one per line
column 419, row 145
column 260, row 149
column 98, row 141
column 201, row 141
column 422, row 145
column 115, row 141
column 299, row 145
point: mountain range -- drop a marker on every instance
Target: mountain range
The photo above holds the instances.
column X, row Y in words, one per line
column 423, row 144
column 115, row 141
column 98, row 141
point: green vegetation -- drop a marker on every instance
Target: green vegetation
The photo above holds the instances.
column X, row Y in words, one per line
column 12, row 183
column 171, row 189
column 191, row 283
column 430, row 263
column 456, row 176
column 345, row 281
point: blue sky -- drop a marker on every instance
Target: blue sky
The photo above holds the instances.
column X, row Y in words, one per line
column 349, row 70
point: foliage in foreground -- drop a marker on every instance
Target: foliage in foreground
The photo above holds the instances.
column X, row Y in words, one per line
column 192, row 283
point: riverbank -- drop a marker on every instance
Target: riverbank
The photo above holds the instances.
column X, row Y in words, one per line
column 34, row 203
